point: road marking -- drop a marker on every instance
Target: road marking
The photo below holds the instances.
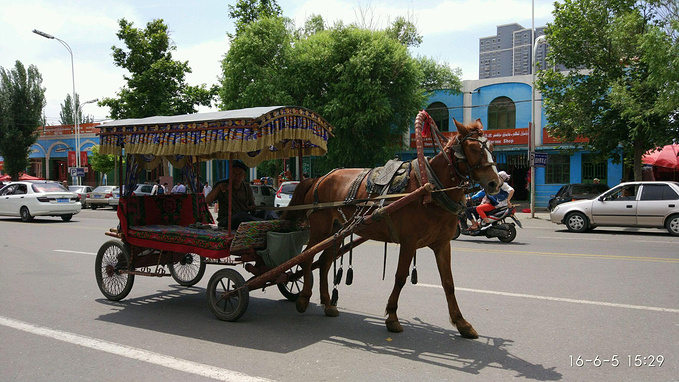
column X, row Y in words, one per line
column 78, row 252
column 132, row 353
column 583, row 255
column 560, row 299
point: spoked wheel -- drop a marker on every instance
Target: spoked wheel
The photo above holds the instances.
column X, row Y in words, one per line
column 292, row 288
column 511, row 235
column 227, row 302
column 111, row 259
column 189, row 270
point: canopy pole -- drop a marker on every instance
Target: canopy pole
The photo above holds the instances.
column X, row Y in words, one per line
column 230, row 192
column 299, row 161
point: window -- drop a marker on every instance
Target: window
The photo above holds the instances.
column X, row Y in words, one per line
column 592, row 168
column 501, row 114
column 439, row 113
column 558, row 169
column 658, row 192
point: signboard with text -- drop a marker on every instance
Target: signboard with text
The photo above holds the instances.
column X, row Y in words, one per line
column 71, row 159
column 538, row 159
column 497, row 137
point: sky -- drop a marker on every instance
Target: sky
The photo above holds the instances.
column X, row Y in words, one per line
column 450, row 29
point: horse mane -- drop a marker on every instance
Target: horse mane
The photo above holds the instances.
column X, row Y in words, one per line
column 298, row 197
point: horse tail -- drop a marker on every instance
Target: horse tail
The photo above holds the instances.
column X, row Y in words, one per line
column 298, row 197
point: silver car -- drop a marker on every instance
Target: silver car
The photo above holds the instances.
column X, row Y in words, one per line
column 631, row 204
column 99, row 196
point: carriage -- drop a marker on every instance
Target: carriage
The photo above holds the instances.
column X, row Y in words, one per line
column 174, row 234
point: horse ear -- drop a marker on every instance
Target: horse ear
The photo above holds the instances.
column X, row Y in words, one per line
column 479, row 123
column 460, row 127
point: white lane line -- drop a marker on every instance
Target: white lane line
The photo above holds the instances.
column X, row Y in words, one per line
column 133, row 353
column 560, row 299
column 78, row 252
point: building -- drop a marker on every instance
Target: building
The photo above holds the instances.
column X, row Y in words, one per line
column 504, row 107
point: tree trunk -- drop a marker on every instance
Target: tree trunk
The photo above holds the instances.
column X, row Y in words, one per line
column 639, row 151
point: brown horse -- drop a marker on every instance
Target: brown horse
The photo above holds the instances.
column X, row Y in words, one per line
column 416, row 225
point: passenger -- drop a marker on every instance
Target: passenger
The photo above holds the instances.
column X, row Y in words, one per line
column 243, row 200
column 502, row 199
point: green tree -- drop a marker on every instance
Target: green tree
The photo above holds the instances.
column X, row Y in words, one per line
column 364, row 82
column 156, row 84
column 249, row 11
column 620, row 96
column 22, row 100
column 101, row 163
column 66, row 113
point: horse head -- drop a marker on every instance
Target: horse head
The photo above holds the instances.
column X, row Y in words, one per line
column 474, row 153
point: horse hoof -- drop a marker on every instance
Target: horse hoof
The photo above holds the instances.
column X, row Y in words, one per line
column 301, row 304
column 394, row 326
column 331, row 311
column 467, row 331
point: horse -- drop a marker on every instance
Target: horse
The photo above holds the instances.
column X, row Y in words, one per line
column 416, row 225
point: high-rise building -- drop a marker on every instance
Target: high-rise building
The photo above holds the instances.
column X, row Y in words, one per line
column 509, row 53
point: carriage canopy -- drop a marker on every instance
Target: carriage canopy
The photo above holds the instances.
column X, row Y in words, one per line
column 251, row 135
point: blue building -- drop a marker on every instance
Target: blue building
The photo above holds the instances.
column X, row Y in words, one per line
column 504, row 107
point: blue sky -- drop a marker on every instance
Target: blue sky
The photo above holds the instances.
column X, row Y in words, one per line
column 451, row 32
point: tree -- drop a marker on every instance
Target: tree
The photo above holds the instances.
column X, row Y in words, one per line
column 156, row 84
column 364, row 82
column 623, row 96
column 249, row 11
column 66, row 113
column 102, row 163
column 22, row 100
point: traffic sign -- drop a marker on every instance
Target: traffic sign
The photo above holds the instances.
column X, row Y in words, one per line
column 538, row 159
column 76, row 171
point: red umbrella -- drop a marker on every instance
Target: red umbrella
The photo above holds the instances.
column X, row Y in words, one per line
column 25, row 176
column 665, row 157
column 5, row 178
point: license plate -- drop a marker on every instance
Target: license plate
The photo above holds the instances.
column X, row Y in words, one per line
column 97, row 196
column 62, row 200
column 289, row 196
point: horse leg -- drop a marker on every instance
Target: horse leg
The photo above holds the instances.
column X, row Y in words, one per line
column 320, row 229
column 327, row 257
column 443, row 261
column 405, row 257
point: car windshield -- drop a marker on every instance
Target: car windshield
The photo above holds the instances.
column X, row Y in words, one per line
column 49, row 187
column 288, row 188
column 103, row 189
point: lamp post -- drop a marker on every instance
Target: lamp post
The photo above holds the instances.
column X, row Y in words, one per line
column 77, row 136
column 531, row 133
column 75, row 104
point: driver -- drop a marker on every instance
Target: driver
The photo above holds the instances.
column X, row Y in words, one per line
column 489, row 203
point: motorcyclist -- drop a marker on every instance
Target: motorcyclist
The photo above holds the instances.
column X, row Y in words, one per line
column 491, row 202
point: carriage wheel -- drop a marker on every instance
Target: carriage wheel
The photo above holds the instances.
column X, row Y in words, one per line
column 225, row 302
column 113, row 257
column 189, row 270
column 291, row 289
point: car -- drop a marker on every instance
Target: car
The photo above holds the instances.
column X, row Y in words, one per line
column 82, row 192
column 28, row 199
column 114, row 200
column 264, row 194
column 142, row 189
column 284, row 193
column 631, row 204
column 576, row 191
column 99, row 196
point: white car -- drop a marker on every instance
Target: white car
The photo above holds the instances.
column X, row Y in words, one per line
column 264, row 194
column 284, row 193
column 82, row 191
column 631, row 204
column 28, row 199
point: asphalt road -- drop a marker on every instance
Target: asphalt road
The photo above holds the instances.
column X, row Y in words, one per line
column 552, row 305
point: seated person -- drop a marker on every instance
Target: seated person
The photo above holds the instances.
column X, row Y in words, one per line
column 243, row 200
column 627, row 194
column 489, row 203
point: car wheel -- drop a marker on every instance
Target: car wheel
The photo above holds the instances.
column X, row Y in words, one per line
column 115, row 208
column 672, row 225
column 25, row 214
column 94, row 206
column 576, row 222
column 66, row 218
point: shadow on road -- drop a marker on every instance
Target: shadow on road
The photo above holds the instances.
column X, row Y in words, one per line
column 275, row 326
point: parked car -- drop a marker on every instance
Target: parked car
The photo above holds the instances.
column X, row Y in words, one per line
column 99, row 196
column 576, row 191
column 82, row 192
column 114, row 200
column 264, row 194
column 284, row 193
column 142, row 189
column 631, row 204
column 28, row 199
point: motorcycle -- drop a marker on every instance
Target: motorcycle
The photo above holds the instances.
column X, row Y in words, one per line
column 499, row 227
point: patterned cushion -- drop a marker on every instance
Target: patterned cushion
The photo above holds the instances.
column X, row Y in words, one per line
column 175, row 209
column 253, row 234
column 214, row 240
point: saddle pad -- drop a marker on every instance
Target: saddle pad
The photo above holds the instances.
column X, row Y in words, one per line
column 392, row 178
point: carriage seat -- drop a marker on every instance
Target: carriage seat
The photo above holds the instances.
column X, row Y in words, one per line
column 168, row 222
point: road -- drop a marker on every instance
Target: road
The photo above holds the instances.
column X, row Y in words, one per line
column 552, row 305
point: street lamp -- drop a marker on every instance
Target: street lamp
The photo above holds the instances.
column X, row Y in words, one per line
column 75, row 104
column 531, row 133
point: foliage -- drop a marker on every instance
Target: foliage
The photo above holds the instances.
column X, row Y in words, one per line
column 405, row 32
column 364, row 82
column 66, row 113
column 156, row 84
column 270, row 168
column 248, row 11
column 624, row 97
column 22, row 99
column 101, row 162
